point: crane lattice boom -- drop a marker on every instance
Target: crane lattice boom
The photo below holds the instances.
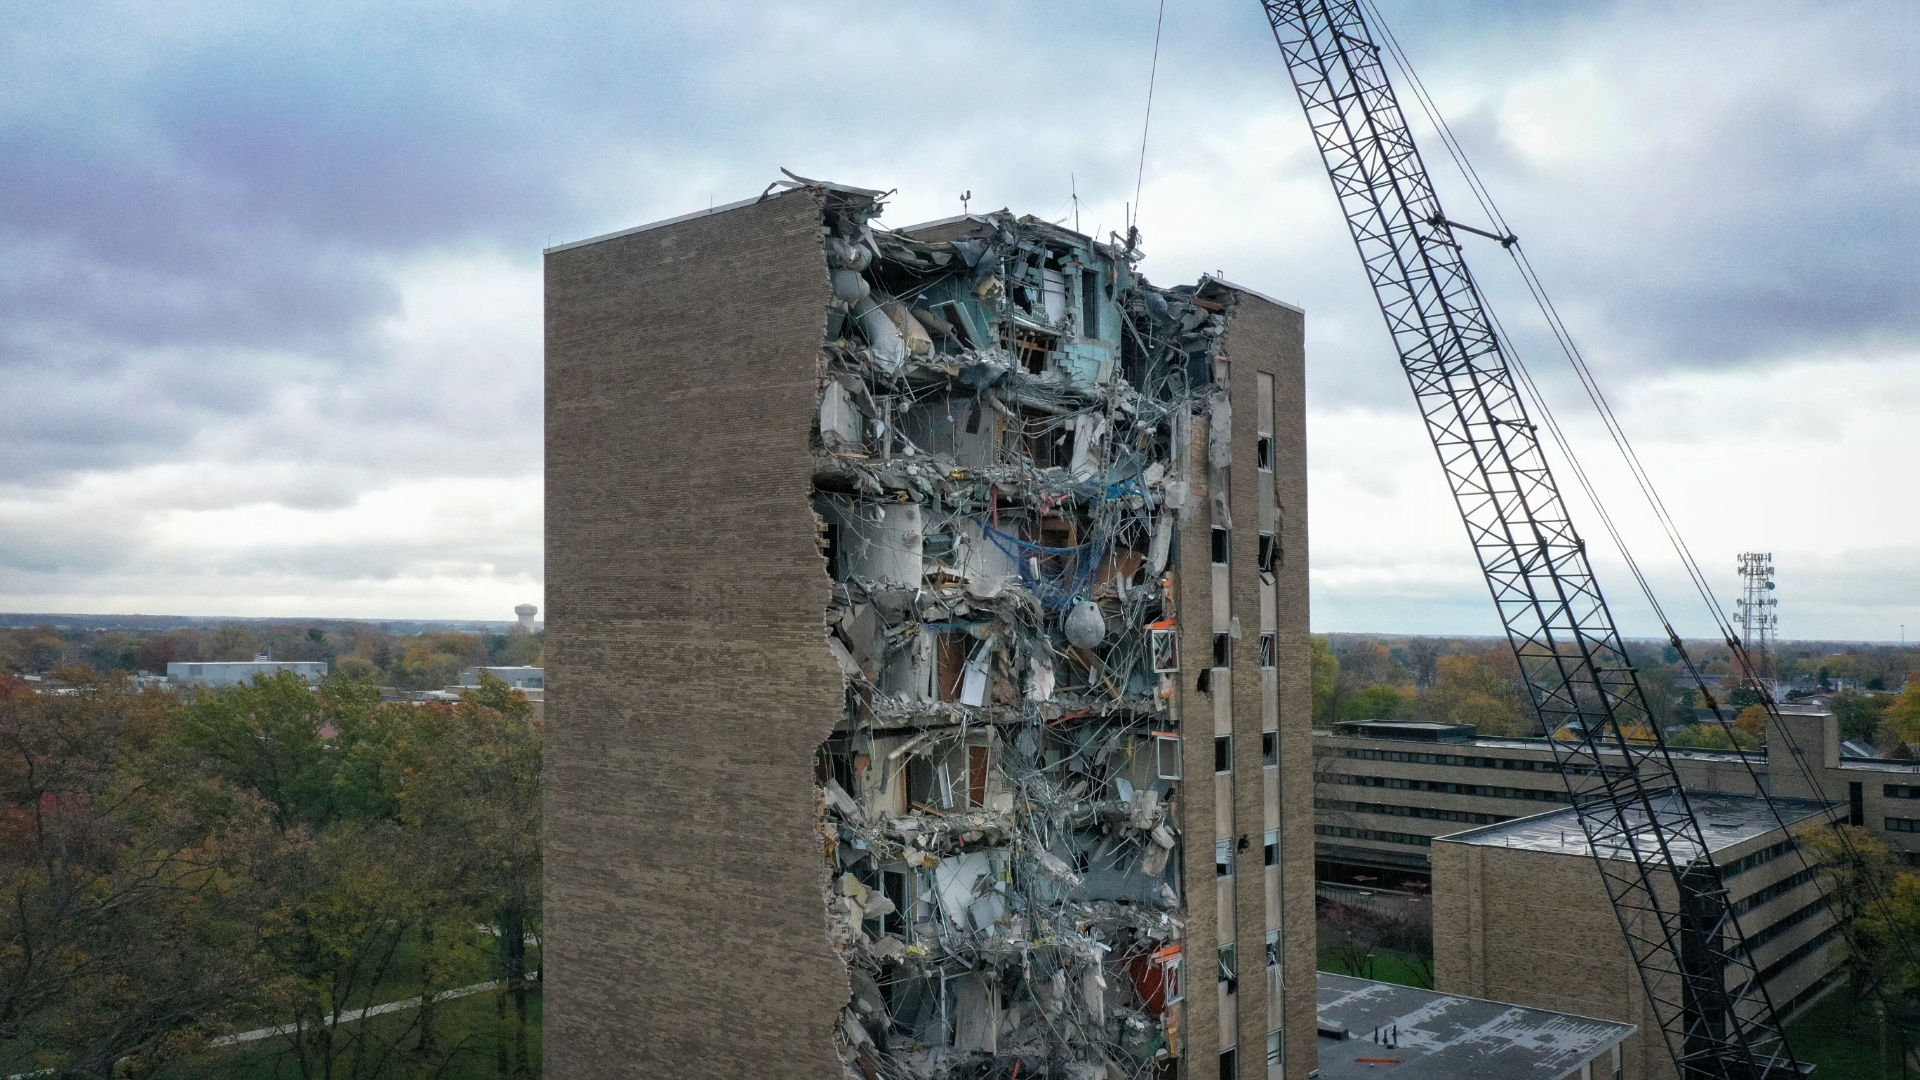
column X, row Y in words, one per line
column 1700, row 978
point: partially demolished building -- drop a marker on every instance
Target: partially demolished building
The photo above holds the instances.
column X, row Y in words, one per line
column 928, row 649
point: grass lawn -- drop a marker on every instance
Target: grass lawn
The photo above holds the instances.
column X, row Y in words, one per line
column 1385, row 966
column 1822, row 1037
column 469, row 1023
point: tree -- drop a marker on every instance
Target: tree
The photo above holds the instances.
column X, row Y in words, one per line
column 123, row 887
column 1902, row 712
column 1857, row 867
column 1702, row 736
column 1371, row 703
column 1752, row 722
column 313, row 757
column 1483, row 689
column 1324, row 675
column 1859, row 714
column 477, row 796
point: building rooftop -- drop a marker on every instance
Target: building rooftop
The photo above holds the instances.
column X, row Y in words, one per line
column 1725, row 821
column 1404, row 731
column 1423, row 1034
column 1407, row 730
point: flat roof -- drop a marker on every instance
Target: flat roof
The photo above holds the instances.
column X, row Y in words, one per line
column 774, row 190
column 1425, row 1034
column 1545, row 746
column 1725, row 821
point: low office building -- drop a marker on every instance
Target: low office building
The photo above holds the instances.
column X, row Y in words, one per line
column 1520, row 914
column 1384, row 789
column 233, row 673
column 1880, row 795
column 520, row 678
column 1367, row 1028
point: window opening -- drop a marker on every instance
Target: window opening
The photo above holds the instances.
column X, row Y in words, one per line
column 1166, row 755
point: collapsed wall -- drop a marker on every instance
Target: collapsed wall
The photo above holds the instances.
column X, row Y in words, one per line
column 1004, row 449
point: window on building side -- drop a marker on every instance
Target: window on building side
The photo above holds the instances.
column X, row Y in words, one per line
column 1166, row 755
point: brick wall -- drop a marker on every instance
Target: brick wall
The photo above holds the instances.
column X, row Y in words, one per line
column 688, row 682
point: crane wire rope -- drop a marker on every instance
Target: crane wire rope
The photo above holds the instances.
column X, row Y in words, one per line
column 1642, row 479
column 1140, row 174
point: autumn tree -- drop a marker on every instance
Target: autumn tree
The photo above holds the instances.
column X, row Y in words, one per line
column 477, row 796
column 1903, row 712
column 1324, row 677
column 123, row 886
column 1481, row 688
column 1858, row 869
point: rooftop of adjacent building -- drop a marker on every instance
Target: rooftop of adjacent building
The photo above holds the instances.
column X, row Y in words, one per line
column 1725, row 821
column 1366, row 1026
column 1456, row 737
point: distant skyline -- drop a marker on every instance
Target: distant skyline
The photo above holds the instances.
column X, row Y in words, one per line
column 271, row 287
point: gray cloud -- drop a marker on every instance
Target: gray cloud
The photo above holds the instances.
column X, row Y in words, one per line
column 211, row 213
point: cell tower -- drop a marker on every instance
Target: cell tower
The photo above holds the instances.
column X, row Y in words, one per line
column 1759, row 618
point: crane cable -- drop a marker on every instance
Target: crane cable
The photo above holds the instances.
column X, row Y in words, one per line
column 1153, row 75
column 1642, row 479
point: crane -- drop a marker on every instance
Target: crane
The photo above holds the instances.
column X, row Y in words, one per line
column 1700, row 979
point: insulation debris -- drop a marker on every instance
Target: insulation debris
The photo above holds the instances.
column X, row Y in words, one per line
column 999, row 465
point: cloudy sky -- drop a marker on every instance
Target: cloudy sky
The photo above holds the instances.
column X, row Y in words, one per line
column 270, row 274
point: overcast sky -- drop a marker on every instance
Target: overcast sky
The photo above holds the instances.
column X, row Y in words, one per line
column 270, row 274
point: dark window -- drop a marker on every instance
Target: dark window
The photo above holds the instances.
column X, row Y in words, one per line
column 1230, row 966
column 1273, row 847
column 1266, row 650
column 1223, row 858
column 1856, row 806
column 1273, row 948
column 1269, row 553
column 1090, row 303
column 1222, row 546
column 894, row 885
column 1270, row 748
column 1222, row 650
column 1264, row 448
column 1903, row 824
column 1229, row 1064
column 1901, row 791
column 1222, row 753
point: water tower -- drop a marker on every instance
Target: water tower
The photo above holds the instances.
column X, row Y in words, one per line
column 526, row 612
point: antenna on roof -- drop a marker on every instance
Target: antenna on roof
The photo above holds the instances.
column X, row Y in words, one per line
column 966, row 197
column 1073, row 188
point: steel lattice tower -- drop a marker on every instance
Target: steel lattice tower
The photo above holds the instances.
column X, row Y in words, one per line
column 1759, row 617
